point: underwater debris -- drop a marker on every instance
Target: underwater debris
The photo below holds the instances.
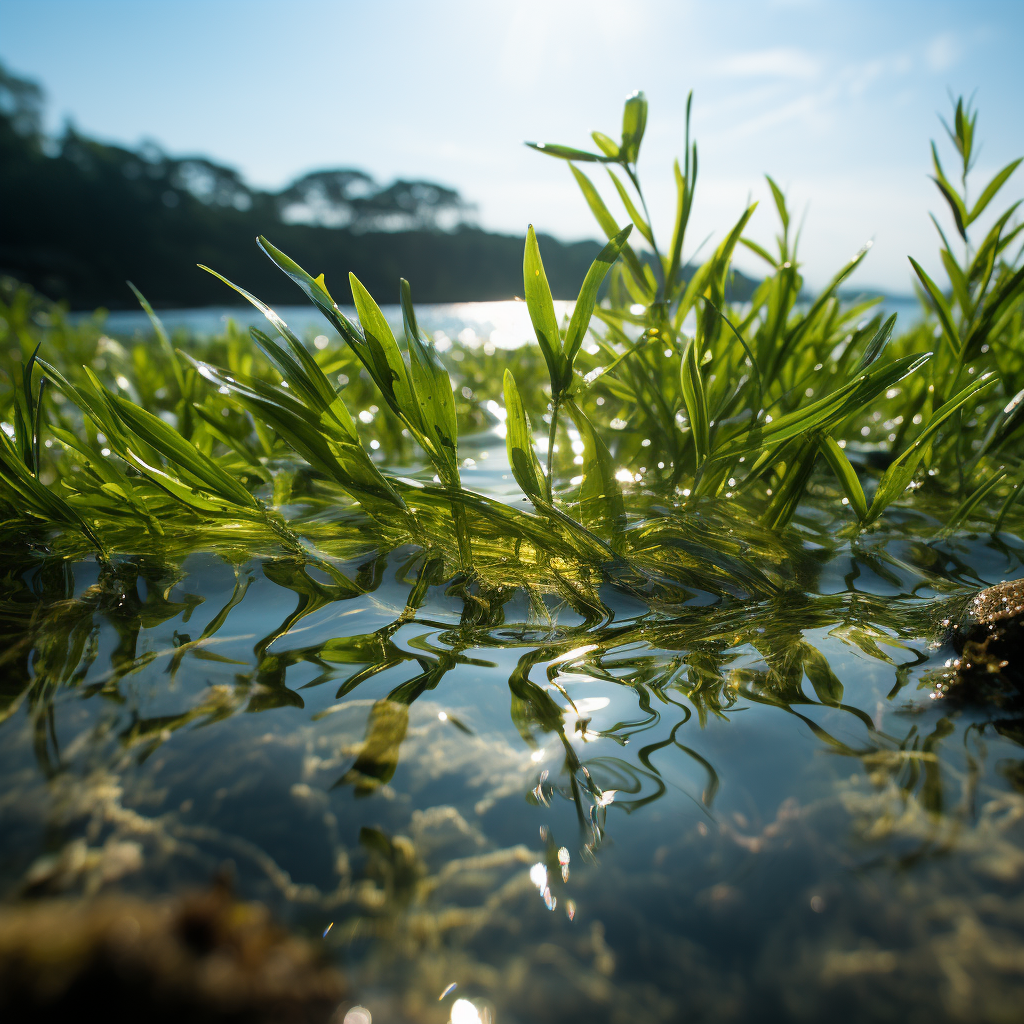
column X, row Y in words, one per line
column 201, row 957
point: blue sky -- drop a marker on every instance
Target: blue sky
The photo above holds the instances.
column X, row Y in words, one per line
column 836, row 100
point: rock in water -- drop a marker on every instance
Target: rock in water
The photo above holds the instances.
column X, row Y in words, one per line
column 994, row 617
column 989, row 636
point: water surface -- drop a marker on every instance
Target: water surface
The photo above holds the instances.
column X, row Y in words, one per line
column 733, row 808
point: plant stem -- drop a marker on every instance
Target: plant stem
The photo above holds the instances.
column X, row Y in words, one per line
column 461, row 531
column 551, row 442
column 650, row 226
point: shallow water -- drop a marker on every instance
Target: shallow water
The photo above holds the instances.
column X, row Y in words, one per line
column 733, row 809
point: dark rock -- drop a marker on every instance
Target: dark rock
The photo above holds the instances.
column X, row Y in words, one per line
column 988, row 636
column 995, row 618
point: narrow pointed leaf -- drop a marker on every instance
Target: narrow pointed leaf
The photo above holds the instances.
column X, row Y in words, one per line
column 634, row 214
column 846, row 475
column 298, row 367
column 386, row 366
column 696, row 401
column 601, row 504
column 634, row 122
column 567, row 152
column 433, row 389
column 166, row 440
column 941, row 306
column 161, row 333
column 585, row 302
column 827, row 412
column 542, row 309
column 877, row 343
column 780, row 202
column 522, row 456
column 990, row 190
column 609, row 225
column 901, row 471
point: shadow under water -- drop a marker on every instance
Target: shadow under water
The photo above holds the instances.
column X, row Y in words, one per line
column 576, row 803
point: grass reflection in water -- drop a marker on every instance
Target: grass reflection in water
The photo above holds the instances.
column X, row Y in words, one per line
column 750, row 796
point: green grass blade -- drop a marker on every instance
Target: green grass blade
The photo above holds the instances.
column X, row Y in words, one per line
column 165, row 341
column 610, row 227
column 846, row 475
column 800, row 456
column 27, row 495
column 941, row 307
column 971, row 502
column 323, row 446
column 990, row 190
column 683, row 200
column 715, row 268
column 433, row 388
column 754, row 368
column 316, row 291
column 760, row 250
column 901, row 471
column 696, row 402
column 634, row 214
column 1011, row 500
column 823, row 415
column 182, row 453
column 608, row 146
column 298, row 366
column 522, row 456
column 542, row 310
column 634, row 122
column 567, row 152
column 795, row 334
column 585, row 302
column 433, row 391
column 386, row 365
column 877, row 343
column 954, row 201
column 780, row 202
column 997, row 304
column 601, row 504
column 958, row 281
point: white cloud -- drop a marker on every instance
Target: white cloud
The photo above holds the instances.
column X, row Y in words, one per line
column 781, row 62
column 943, row 52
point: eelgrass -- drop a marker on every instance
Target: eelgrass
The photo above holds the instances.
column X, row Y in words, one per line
column 680, row 396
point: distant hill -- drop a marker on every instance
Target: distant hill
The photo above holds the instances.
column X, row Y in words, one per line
column 81, row 216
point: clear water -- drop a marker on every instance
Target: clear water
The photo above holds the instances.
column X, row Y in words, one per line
column 743, row 841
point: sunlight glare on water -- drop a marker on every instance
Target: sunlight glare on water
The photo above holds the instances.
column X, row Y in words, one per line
column 464, row 1012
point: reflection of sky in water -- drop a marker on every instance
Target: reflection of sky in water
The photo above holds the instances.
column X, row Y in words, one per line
column 707, row 859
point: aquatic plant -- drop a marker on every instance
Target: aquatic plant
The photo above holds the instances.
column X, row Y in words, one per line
column 683, row 395
column 759, row 400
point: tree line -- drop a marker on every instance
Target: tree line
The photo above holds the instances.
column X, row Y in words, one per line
column 81, row 216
